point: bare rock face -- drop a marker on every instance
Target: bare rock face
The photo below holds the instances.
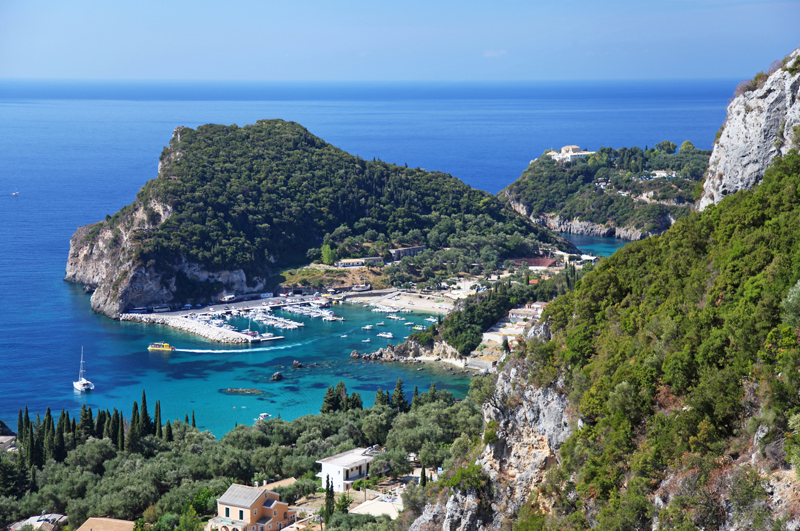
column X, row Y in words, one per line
column 532, row 424
column 760, row 126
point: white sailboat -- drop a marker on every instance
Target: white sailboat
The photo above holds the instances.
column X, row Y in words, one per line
column 82, row 385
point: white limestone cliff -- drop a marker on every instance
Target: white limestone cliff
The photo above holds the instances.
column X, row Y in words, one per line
column 761, row 125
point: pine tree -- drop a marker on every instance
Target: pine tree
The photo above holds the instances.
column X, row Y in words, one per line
column 330, row 402
column 157, row 420
column 355, row 402
column 168, row 432
column 399, row 397
column 432, row 393
column 380, row 398
column 145, row 423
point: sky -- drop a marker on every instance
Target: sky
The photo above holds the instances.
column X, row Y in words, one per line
column 409, row 40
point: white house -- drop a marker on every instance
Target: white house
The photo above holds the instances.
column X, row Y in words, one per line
column 569, row 153
column 346, row 468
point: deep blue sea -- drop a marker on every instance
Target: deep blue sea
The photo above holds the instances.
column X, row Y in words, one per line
column 77, row 151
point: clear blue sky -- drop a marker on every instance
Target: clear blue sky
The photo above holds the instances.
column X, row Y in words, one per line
column 399, row 40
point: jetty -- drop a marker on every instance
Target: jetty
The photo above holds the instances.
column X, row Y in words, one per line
column 214, row 333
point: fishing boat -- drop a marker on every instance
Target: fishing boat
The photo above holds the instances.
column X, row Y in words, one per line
column 161, row 346
column 82, row 385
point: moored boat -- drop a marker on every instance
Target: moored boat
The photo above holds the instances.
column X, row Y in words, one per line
column 82, row 385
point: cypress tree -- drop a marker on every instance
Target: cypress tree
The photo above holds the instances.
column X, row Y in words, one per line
column 30, row 443
column 26, row 422
column 100, row 424
column 134, row 433
column 121, row 434
column 20, row 425
column 48, row 448
column 38, row 447
column 60, row 446
column 168, row 432
column 186, row 419
column 114, row 428
column 33, row 486
column 157, row 420
column 193, row 424
column 399, row 397
column 432, row 393
column 74, row 428
column 423, row 479
column 86, row 425
column 145, row 423
column 107, row 428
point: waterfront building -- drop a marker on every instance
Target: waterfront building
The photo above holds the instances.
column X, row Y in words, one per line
column 244, row 508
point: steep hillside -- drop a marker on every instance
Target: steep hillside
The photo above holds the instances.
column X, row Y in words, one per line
column 613, row 193
column 763, row 122
column 231, row 203
column 668, row 392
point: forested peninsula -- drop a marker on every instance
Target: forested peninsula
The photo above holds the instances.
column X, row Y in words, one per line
column 627, row 193
column 232, row 205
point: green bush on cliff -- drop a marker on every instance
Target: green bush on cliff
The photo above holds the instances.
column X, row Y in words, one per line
column 663, row 346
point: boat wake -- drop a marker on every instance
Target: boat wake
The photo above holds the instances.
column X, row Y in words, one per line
column 234, row 351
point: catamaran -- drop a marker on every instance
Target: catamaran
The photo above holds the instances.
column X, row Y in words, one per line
column 82, row 385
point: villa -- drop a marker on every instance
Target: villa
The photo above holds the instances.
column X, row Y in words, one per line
column 570, row 153
column 244, row 508
column 398, row 254
column 358, row 262
column 346, row 468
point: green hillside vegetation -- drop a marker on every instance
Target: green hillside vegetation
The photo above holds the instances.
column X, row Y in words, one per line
column 675, row 350
column 248, row 197
column 143, row 467
column 570, row 189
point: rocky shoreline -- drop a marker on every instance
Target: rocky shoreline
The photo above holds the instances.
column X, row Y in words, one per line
column 213, row 333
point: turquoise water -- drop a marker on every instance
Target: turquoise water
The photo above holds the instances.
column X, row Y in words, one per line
column 79, row 151
column 594, row 245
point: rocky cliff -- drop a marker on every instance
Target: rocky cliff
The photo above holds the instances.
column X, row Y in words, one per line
column 586, row 228
column 531, row 424
column 102, row 257
column 761, row 124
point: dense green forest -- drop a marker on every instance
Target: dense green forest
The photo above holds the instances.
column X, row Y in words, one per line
column 248, row 197
column 572, row 189
column 103, row 464
column 675, row 351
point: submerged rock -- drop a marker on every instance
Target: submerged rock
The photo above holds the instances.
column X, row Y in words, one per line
column 297, row 365
column 277, row 377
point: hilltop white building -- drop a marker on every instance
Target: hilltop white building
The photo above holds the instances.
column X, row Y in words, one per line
column 569, row 153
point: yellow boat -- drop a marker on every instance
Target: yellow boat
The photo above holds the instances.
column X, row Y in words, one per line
column 161, row 346
column 418, row 327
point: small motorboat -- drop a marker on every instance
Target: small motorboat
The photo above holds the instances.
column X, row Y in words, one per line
column 161, row 346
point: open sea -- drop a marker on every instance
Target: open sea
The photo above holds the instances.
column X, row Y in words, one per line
column 77, row 151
